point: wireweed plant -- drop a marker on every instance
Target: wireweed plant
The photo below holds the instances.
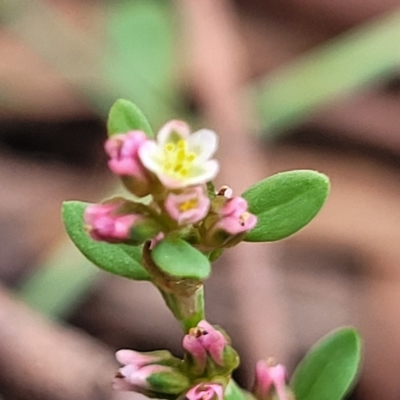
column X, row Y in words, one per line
column 169, row 232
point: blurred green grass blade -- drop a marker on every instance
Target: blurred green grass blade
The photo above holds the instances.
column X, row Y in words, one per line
column 135, row 62
column 356, row 58
column 140, row 57
column 60, row 284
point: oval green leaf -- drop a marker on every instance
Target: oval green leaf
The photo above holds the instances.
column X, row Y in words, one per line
column 284, row 203
column 125, row 116
column 119, row 259
column 181, row 260
column 329, row 369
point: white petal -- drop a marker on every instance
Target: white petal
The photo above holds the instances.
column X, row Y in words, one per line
column 151, row 156
column 174, row 126
column 204, row 173
column 204, row 143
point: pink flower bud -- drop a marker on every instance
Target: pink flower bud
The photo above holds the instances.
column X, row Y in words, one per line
column 206, row 391
column 269, row 379
column 227, row 222
column 235, row 218
column 136, row 358
column 130, row 379
column 124, row 160
column 152, row 374
column 105, row 224
column 202, row 341
column 189, row 206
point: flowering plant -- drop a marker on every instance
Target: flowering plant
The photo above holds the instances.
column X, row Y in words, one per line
column 169, row 232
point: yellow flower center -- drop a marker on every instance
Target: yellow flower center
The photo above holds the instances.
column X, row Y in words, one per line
column 188, row 205
column 178, row 159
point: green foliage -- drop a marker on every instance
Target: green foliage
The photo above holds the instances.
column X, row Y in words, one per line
column 125, row 116
column 234, row 392
column 119, row 259
column 179, row 259
column 358, row 57
column 285, row 203
column 140, row 59
column 58, row 286
column 329, row 369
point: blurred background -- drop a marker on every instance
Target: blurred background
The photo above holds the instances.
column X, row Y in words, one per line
column 287, row 84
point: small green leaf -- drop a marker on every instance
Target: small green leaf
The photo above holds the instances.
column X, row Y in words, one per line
column 234, row 392
column 285, row 203
column 179, row 259
column 125, row 116
column 329, row 369
column 119, row 259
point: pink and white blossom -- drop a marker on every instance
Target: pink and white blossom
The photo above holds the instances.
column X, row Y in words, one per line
column 104, row 223
column 180, row 159
column 189, row 206
column 206, row 391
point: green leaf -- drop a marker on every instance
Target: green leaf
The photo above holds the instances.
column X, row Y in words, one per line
column 234, row 392
column 285, row 203
column 361, row 56
column 329, row 369
column 125, row 116
column 60, row 283
column 140, row 56
column 119, row 259
column 179, row 259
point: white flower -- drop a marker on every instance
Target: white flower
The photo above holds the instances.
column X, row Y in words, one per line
column 180, row 159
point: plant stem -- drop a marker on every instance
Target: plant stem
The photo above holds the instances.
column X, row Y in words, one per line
column 186, row 303
column 184, row 297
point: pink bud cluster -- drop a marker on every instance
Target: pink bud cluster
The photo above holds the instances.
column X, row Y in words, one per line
column 173, row 169
column 159, row 373
column 202, row 375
